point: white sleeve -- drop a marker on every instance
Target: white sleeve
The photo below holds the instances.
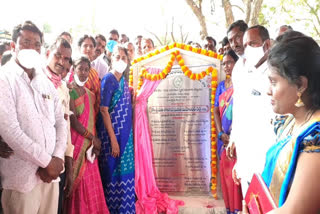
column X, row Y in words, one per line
column 13, row 134
column 237, row 79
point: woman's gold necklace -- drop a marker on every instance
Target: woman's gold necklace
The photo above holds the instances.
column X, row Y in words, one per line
column 228, row 84
column 308, row 117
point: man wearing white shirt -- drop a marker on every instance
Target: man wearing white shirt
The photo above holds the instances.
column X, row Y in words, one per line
column 33, row 126
column 252, row 131
column 235, row 38
column 58, row 58
column 100, row 63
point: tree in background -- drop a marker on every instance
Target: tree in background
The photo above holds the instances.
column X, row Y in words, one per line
column 302, row 13
column 251, row 9
column 196, row 7
column 305, row 13
column 167, row 39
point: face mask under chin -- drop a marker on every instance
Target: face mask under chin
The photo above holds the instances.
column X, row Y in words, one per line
column 78, row 81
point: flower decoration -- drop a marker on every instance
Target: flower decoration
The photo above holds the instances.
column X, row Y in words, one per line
column 214, row 170
column 176, row 56
column 181, row 46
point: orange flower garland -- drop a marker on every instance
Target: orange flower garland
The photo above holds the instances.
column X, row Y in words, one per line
column 214, row 169
column 181, row 46
column 166, row 48
column 144, row 74
column 131, row 77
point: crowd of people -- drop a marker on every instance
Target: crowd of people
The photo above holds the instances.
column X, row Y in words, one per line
column 267, row 117
column 67, row 143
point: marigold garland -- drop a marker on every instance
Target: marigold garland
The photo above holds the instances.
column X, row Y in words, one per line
column 144, row 74
column 180, row 46
column 214, row 170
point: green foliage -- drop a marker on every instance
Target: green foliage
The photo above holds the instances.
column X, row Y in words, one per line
column 47, row 28
column 302, row 15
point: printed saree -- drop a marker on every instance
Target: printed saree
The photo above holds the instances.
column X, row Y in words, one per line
column 281, row 160
column 87, row 192
column 232, row 194
column 117, row 173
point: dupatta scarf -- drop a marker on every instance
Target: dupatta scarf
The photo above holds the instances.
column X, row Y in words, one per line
column 281, row 161
column 85, row 115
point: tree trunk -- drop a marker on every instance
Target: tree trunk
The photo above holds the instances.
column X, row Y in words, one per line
column 228, row 12
column 255, row 12
column 248, row 10
column 201, row 18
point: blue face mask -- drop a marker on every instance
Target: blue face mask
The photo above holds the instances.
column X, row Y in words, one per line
column 111, row 44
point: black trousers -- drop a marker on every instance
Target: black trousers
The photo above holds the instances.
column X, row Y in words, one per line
column 61, row 192
column 0, row 201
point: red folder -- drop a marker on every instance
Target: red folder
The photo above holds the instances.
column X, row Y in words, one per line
column 258, row 197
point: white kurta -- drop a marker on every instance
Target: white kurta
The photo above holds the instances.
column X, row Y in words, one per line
column 252, row 131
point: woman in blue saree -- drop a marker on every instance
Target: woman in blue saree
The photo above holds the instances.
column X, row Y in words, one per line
column 114, row 127
column 232, row 194
column 292, row 164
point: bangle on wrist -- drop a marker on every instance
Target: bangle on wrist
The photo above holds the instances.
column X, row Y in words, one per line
column 220, row 134
column 87, row 135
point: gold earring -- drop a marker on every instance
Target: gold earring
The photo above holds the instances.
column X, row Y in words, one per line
column 299, row 102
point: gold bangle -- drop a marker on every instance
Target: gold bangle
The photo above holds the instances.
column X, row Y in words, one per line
column 85, row 134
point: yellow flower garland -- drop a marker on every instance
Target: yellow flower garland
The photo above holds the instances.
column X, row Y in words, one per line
column 166, row 48
column 214, row 169
column 144, row 74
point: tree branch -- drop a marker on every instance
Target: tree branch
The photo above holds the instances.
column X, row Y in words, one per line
column 304, row 19
column 228, row 12
column 255, row 12
column 155, row 35
column 313, row 11
column 198, row 12
column 181, row 34
column 185, row 38
column 316, row 29
column 172, row 36
column 248, row 11
column 237, row 6
column 165, row 36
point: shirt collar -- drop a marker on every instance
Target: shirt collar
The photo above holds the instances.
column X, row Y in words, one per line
column 263, row 67
column 15, row 67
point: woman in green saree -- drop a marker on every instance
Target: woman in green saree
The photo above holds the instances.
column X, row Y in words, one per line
column 87, row 193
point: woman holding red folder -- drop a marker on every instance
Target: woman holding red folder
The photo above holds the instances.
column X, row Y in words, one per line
column 292, row 164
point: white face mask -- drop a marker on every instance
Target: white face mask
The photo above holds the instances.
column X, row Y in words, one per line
column 253, row 55
column 120, row 66
column 29, row 58
column 79, row 83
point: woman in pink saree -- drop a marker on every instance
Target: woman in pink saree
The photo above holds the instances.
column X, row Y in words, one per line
column 87, row 195
column 232, row 194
